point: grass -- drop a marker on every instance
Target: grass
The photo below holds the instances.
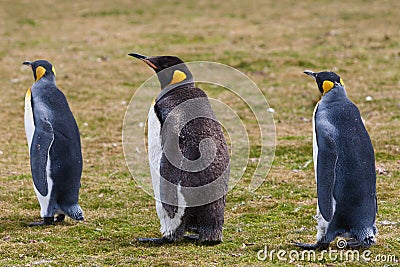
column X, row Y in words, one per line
column 270, row 41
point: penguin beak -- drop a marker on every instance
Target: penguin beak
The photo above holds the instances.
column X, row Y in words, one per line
column 136, row 55
column 145, row 59
column 311, row 73
column 27, row 63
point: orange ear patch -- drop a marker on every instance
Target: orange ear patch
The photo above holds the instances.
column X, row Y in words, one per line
column 327, row 85
column 40, row 71
column 177, row 77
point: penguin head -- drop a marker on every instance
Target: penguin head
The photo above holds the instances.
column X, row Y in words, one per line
column 170, row 69
column 326, row 80
column 41, row 68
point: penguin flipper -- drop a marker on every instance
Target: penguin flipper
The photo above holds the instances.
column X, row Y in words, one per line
column 39, row 154
column 326, row 162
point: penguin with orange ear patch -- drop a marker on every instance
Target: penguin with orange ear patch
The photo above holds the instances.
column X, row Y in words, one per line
column 344, row 163
column 54, row 147
column 188, row 154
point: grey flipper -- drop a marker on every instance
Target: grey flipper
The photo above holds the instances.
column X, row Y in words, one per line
column 168, row 193
column 40, row 147
column 326, row 162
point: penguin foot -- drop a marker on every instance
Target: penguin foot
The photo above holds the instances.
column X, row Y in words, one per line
column 211, row 242
column 369, row 241
column 195, row 238
column 317, row 246
column 46, row 221
column 191, row 237
column 353, row 243
column 60, row 218
column 157, row 241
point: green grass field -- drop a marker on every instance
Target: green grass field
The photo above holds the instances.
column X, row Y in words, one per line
column 270, row 41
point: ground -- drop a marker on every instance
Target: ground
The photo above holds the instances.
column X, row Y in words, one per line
column 272, row 42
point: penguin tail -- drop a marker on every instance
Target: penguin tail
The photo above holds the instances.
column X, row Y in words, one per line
column 74, row 211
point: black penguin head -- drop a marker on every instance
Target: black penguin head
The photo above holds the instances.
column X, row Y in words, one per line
column 41, row 68
column 326, row 80
column 170, row 69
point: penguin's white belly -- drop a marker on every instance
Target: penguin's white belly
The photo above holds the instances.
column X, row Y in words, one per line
column 28, row 118
column 168, row 225
column 322, row 224
column 315, row 145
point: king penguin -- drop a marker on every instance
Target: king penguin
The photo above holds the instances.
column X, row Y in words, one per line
column 190, row 189
column 344, row 164
column 54, row 147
